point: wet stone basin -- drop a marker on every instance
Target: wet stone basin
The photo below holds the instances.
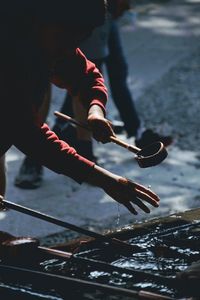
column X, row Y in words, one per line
column 166, row 246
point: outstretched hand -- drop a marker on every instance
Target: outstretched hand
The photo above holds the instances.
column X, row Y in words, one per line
column 130, row 194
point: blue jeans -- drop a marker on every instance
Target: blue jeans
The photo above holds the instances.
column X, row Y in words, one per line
column 117, row 73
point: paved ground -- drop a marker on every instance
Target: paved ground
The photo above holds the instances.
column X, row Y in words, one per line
column 164, row 67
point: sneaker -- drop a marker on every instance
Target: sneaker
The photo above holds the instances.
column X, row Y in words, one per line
column 30, row 175
column 148, row 137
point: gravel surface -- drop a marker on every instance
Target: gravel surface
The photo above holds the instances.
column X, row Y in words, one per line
column 173, row 103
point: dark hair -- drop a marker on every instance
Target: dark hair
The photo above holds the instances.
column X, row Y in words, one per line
column 70, row 12
column 17, row 19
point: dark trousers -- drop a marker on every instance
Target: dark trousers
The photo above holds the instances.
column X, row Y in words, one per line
column 117, row 73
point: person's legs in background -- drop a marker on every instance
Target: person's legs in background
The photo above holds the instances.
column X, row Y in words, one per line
column 117, row 73
column 84, row 144
column 77, row 137
column 30, row 173
column 61, row 128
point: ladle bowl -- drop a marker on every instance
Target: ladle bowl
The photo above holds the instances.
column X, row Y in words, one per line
column 151, row 155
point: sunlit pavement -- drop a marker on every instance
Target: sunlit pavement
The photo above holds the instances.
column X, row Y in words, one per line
column 165, row 34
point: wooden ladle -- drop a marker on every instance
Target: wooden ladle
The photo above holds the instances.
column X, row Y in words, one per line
column 149, row 156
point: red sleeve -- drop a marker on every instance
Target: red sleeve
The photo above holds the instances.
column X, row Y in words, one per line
column 81, row 77
column 43, row 145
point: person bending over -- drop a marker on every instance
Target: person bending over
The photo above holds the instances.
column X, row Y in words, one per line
column 39, row 45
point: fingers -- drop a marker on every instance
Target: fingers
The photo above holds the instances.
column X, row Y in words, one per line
column 102, row 130
column 140, row 192
column 135, row 194
column 101, row 133
column 135, row 201
column 144, row 193
column 141, row 205
column 130, row 208
column 147, row 191
column 117, row 196
column 130, row 194
column 147, row 198
column 129, row 200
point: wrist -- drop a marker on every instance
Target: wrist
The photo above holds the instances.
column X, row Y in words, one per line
column 101, row 177
column 95, row 110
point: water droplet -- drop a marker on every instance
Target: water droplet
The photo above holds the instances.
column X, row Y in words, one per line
column 118, row 214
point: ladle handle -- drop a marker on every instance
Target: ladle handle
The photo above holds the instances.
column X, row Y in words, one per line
column 113, row 139
column 125, row 145
column 55, row 252
column 63, row 283
column 71, row 120
column 50, row 219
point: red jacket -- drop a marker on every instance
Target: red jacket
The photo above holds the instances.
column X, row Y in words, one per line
column 19, row 124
